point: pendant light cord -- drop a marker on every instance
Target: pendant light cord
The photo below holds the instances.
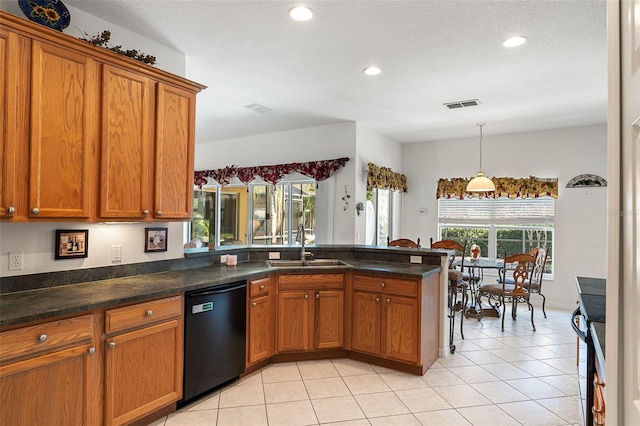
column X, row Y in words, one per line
column 480, row 124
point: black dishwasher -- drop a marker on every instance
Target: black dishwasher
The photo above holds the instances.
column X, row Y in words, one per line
column 214, row 337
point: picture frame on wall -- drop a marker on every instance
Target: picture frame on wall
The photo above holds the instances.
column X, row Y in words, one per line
column 155, row 239
column 72, row 243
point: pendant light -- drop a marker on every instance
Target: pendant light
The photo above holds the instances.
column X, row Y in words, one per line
column 480, row 183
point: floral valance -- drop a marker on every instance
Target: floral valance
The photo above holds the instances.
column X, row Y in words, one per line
column 385, row 178
column 531, row 187
column 318, row 170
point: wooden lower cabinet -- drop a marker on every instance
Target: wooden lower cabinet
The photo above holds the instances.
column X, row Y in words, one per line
column 143, row 359
column 395, row 319
column 50, row 374
column 259, row 321
column 385, row 325
column 310, row 312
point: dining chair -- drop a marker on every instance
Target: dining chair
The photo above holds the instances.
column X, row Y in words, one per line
column 457, row 285
column 537, row 273
column 404, row 242
column 519, row 291
column 536, row 276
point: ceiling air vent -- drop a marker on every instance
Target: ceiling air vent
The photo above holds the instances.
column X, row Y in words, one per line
column 258, row 108
column 462, row 104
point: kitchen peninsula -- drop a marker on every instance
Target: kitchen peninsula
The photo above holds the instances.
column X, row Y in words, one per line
column 382, row 308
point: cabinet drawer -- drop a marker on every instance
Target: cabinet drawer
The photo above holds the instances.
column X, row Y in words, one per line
column 45, row 337
column 259, row 287
column 310, row 281
column 386, row 285
column 142, row 314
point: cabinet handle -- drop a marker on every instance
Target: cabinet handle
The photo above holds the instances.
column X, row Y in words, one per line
column 317, row 295
column 306, row 296
column 146, row 212
column 377, row 300
column 253, row 304
column 42, row 338
column 35, row 210
column 91, row 351
column 112, row 345
column 262, row 287
column 388, row 301
column 149, row 313
column 159, row 213
column 382, row 285
column 11, row 210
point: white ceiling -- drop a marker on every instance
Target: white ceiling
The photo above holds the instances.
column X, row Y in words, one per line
column 431, row 52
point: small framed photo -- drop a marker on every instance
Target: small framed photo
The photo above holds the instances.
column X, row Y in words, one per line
column 72, row 243
column 155, row 239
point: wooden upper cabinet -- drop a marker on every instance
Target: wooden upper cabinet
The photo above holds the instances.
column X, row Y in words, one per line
column 89, row 135
column 127, row 144
column 64, row 102
column 174, row 150
column 15, row 61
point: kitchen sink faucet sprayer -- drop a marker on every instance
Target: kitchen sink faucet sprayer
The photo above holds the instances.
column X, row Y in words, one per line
column 303, row 252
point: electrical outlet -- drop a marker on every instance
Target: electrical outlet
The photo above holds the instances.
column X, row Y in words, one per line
column 223, row 258
column 15, row 261
column 415, row 259
column 274, row 255
column 116, row 253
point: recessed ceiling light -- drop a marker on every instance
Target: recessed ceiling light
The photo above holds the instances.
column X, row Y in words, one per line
column 301, row 13
column 372, row 70
column 514, row 41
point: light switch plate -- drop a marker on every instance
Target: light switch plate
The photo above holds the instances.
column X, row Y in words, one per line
column 415, row 259
column 116, row 253
column 274, row 255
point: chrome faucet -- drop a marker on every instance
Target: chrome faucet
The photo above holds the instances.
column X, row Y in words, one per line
column 303, row 252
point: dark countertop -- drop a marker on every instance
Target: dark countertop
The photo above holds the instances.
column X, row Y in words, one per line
column 590, row 285
column 32, row 305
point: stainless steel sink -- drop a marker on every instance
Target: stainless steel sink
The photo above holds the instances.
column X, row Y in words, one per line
column 315, row 263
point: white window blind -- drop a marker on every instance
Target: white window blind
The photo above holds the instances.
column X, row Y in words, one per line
column 501, row 210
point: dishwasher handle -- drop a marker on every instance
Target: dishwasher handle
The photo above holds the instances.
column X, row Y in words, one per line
column 217, row 290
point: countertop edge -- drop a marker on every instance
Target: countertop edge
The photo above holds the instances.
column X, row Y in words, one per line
column 67, row 300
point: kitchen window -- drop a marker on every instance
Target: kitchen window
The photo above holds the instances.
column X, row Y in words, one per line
column 499, row 225
column 379, row 216
column 261, row 214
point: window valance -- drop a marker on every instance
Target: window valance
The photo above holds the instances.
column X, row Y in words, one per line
column 531, row 187
column 318, row 170
column 385, row 178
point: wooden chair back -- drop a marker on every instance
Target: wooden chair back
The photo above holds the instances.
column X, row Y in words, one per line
column 521, row 273
column 538, row 266
column 451, row 245
column 404, row 242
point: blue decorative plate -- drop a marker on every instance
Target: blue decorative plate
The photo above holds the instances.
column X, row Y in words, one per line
column 50, row 13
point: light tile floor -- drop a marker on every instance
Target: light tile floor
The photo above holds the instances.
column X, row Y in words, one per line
column 519, row 377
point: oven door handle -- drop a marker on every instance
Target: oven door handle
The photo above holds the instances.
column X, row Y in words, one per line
column 577, row 313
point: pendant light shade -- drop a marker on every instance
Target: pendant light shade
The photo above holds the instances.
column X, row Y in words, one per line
column 480, row 183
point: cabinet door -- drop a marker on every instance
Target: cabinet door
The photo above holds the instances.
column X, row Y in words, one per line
column 174, row 153
column 64, row 126
column 329, row 319
column 400, row 322
column 143, row 371
column 15, row 63
column 126, row 162
column 294, row 321
column 53, row 389
column 365, row 327
column 259, row 335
